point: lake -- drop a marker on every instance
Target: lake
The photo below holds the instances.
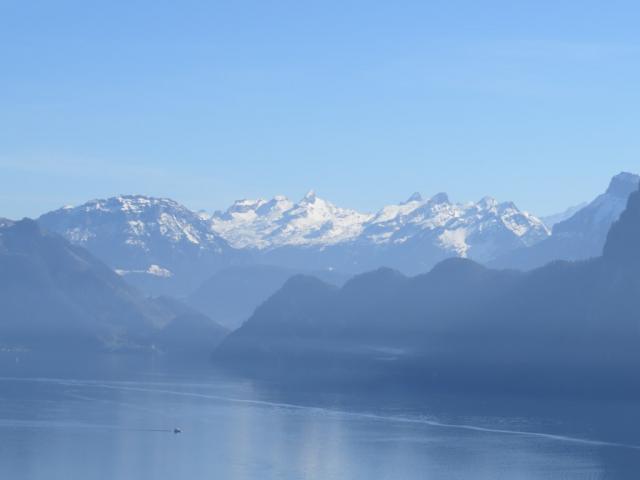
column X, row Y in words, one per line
column 114, row 419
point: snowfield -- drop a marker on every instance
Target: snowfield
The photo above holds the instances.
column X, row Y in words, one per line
column 267, row 224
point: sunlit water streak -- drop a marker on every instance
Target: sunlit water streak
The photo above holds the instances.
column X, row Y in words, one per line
column 127, row 386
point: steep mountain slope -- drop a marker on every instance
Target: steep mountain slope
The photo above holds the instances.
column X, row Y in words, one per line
column 55, row 295
column 231, row 295
column 579, row 237
column 563, row 326
column 156, row 243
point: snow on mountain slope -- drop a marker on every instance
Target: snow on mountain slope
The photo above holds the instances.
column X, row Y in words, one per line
column 139, row 234
column 278, row 222
column 454, row 224
column 136, row 219
column 462, row 229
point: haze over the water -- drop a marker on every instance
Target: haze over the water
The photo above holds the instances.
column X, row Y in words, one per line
column 364, row 102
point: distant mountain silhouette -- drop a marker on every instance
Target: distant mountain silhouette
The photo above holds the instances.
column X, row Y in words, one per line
column 564, row 326
column 551, row 220
column 55, row 295
column 231, row 295
column 579, row 237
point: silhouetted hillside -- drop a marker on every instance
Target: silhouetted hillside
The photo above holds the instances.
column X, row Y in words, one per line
column 55, row 295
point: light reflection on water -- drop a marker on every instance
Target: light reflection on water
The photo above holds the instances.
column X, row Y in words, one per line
column 116, row 421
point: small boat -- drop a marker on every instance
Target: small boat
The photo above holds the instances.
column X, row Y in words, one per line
column 177, row 430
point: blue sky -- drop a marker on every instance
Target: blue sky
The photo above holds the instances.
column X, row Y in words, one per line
column 365, row 102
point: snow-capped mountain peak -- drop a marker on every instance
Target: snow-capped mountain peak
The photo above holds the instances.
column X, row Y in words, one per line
column 242, row 209
column 487, row 204
column 280, row 222
column 276, row 206
column 135, row 232
column 310, row 197
column 246, row 205
column 465, row 229
column 140, row 217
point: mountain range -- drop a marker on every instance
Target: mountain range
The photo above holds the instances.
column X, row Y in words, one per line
column 562, row 327
column 77, row 288
column 155, row 242
column 162, row 247
column 227, row 263
column 411, row 236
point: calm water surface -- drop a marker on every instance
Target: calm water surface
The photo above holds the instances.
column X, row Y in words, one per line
column 114, row 420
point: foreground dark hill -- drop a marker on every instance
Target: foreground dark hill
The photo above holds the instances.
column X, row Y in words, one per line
column 564, row 326
column 54, row 295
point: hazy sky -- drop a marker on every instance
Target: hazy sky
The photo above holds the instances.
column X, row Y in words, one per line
column 366, row 102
